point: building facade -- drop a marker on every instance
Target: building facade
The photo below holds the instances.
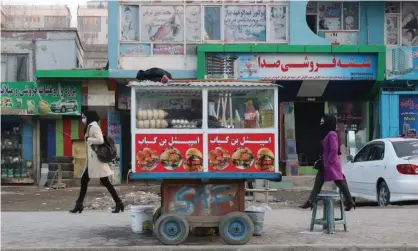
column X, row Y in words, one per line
column 92, row 22
column 323, row 53
column 36, row 16
column 33, row 111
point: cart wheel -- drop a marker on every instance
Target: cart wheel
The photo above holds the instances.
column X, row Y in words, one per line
column 156, row 215
column 236, row 228
column 172, row 229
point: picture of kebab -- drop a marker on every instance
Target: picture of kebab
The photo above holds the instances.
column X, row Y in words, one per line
column 194, row 160
column 265, row 160
column 243, row 158
column 147, row 159
column 219, row 158
column 171, row 158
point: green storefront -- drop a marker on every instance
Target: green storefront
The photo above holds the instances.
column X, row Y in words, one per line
column 28, row 112
column 343, row 80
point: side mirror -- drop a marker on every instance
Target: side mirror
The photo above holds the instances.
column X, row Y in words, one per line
column 350, row 158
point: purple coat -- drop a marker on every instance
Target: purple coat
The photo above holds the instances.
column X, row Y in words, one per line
column 332, row 165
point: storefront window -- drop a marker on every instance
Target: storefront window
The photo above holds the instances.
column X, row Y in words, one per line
column 350, row 117
column 180, row 109
column 241, row 109
column 11, row 151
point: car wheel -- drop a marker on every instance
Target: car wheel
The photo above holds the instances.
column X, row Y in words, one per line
column 383, row 194
column 75, row 108
column 63, row 109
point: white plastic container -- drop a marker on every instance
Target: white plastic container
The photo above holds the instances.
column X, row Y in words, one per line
column 141, row 219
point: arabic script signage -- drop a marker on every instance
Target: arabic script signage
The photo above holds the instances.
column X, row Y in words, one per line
column 307, row 67
column 241, row 152
column 408, row 115
column 31, row 98
column 402, row 63
column 168, row 153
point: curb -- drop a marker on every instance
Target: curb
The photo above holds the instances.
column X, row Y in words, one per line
column 325, row 247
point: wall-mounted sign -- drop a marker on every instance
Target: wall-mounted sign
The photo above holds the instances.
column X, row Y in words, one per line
column 31, row 98
column 408, row 115
column 306, row 67
column 402, row 63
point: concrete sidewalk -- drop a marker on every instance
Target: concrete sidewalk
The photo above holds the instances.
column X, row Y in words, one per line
column 284, row 230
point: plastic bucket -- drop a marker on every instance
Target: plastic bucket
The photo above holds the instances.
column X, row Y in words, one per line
column 141, row 219
column 258, row 220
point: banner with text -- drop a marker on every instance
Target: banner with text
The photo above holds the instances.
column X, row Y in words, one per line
column 32, row 98
column 307, row 67
column 408, row 115
column 402, row 63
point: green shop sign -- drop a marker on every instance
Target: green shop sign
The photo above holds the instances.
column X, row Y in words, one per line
column 31, row 98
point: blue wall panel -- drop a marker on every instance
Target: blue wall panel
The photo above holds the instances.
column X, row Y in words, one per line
column 113, row 31
column 27, row 141
column 372, row 20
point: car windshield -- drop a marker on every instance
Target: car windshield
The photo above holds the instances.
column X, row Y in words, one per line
column 405, row 148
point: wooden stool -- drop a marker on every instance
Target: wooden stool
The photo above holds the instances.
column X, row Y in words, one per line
column 328, row 221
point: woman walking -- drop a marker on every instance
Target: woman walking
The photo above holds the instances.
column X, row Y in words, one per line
column 93, row 136
column 331, row 169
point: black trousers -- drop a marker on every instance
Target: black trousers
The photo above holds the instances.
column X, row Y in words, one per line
column 319, row 182
column 104, row 180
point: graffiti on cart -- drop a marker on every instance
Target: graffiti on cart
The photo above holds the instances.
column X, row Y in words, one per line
column 207, row 199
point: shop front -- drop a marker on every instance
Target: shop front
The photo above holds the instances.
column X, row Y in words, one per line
column 341, row 80
column 24, row 108
column 399, row 95
column 64, row 136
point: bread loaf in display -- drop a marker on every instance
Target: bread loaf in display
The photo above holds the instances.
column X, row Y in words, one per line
column 152, row 124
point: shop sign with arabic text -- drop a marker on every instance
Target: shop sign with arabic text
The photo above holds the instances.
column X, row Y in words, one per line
column 168, row 153
column 32, row 98
column 307, row 67
column 241, row 152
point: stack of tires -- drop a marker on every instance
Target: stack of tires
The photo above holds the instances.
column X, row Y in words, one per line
column 67, row 168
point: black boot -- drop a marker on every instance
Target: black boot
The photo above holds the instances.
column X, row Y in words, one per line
column 307, row 204
column 342, row 185
column 77, row 208
column 119, row 207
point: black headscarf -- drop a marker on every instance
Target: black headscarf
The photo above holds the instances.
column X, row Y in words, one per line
column 329, row 125
column 91, row 116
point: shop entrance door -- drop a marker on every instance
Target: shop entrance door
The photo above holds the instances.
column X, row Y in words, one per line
column 308, row 131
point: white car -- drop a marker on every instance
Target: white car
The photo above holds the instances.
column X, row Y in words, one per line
column 385, row 171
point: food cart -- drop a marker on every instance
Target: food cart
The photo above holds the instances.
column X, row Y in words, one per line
column 203, row 140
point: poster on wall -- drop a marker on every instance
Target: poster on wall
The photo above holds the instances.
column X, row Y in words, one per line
column 278, row 23
column 338, row 38
column 193, row 23
column 168, row 49
column 329, row 16
column 168, row 153
column 245, row 23
column 134, row 50
column 408, row 115
column 241, row 152
column 402, row 63
column 307, row 67
column 162, row 23
column 351, row 16
column 32, row 98
column 410, row 23
column 129, row 22
column 392, row 30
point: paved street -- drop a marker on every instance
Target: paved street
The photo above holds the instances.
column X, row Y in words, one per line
column 282, row 226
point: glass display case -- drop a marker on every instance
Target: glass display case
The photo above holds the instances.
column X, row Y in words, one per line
column 205, row 128
column 11, row 152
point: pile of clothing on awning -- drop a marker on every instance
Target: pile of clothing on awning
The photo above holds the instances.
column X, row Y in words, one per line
column 154, row 74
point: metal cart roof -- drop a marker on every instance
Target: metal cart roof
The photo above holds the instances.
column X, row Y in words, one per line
column 205, row 83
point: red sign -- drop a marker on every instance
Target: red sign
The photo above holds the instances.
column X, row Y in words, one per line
column 241, row 152
column 168, row 153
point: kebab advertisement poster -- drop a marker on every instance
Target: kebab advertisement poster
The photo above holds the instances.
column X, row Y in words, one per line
column 241, row 152
column 169, row 153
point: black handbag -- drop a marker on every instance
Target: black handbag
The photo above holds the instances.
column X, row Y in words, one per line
column 318, row 164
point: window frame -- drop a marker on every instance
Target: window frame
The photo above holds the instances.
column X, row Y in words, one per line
column 371, row 145
column 377, row 144
column 341, row 17
column 399, row 16
column 186, row 43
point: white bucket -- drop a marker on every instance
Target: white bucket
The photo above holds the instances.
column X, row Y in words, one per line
column 258, row 220
column 141, row 219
